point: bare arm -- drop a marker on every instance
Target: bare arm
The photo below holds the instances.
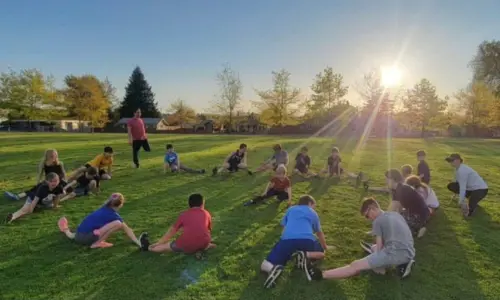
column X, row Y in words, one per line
column 322, row 240
column 129, row 132
column 40, row 173
column 110, row 169
column 289, row 192
column 379, row 243
column 167, row 236
column 63, row 170
column 395, row 206
column 131, row 235
column 71, row 184
column 165, row 167
column 269, row 186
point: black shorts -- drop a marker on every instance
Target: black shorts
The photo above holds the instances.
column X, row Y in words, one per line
column 335, row 171
column 280, row 195
column 414, row 221
column 101, row 171
column 302, row 169
column 86, row 239
column 233, row 166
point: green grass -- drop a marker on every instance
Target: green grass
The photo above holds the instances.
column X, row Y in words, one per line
column 457, row 259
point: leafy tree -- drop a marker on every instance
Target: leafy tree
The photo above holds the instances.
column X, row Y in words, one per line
column 423, row 105
column 30, row 95
column 479, row 104
column 230, row 91
column 374, row 94
column 86, row 99
column 486, row 65
column 110, row 94
column 181, row 112
column 138, row 94
column 280, row 104
column 329, row 91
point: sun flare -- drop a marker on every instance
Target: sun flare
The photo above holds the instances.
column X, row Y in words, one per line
column 390, row 76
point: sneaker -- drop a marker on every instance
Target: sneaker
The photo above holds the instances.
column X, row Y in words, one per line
column 248, row 203
column 405, row 269
column 300, row 260
column 421, row 232
column 202, row 171
column 273, row 275
column 214, row 171
column 144, row 240
column 366, row 186
column 312, row 272
column 11, row 196
column 8, row 219
column 366, row 246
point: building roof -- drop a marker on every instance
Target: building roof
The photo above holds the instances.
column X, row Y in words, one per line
column 147, row 121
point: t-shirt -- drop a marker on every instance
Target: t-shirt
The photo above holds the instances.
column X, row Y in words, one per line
column 302, row 161
column 300, row 222
column 171, row 158
column 42, row 191
column 196, row 224
column 84, row 181
column 281, row 158
column 58, row 169
column 333, row 164
column 469, row 180
column 394, row 231
column 137, row 129
column 236, row 158
column 411, row 200
column 429, row 196
column 423, row 169
column 101, row 161
column 280, row 184
column 98, row 219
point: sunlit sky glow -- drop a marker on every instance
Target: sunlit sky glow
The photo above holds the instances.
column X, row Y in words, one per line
column 180, row 45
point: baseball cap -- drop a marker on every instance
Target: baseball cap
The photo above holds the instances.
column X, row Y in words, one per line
column 453, row 157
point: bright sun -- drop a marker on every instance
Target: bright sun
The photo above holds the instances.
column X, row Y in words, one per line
column 391, row 76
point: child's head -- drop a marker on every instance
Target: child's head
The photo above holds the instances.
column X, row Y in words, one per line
column 421, row 155
column 108, row 151
column 406, row 170
column 52, row 180
column 196, row 200
column 454, row 160
column 335, row 152
column 51, row 157
column 370, row 208
column 91, row 172
column 170, row 148
column 277, row 148
column 393, row 178
column 115, row 201
column 137, row 113
column 304, row 150
column 307, row 200
column 415, row 182
column 281, row 170
column 243, row 148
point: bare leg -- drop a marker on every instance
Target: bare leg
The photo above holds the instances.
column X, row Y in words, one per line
column 189, row 170
column 161, row 248
column 379, row 189
column 105, row 231
column 348, row 271
column 63, row 226
column 266, row 266
column 93, row 187
column 68, row 197
column 105, row 177
column 315, row 255
column 25, row 210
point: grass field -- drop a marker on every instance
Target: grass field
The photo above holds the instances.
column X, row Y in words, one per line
column 457, row 259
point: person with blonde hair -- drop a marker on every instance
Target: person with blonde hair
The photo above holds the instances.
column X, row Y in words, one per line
column 425, row 191
column 279, row 186
column 98, row 226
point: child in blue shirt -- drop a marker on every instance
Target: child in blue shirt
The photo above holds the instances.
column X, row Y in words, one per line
column 173, row 162
column 100, row 224
column 301, row 227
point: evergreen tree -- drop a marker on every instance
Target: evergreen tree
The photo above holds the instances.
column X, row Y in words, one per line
column 138, row 94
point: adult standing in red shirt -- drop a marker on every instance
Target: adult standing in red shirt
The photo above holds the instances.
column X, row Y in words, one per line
column 137, row 136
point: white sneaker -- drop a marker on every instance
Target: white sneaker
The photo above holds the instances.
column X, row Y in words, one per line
column 421, row 232
column 366, row 246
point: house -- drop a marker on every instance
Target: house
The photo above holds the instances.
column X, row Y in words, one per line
column 250, row 125
column 49, row 125
column 149, row 123
column 205, row 126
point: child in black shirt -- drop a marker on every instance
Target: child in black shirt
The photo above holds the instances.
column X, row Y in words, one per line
column 423, row 168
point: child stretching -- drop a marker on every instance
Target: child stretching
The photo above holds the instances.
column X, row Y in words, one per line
column 334, row 169
column 425, row 191
column 300, row 224
column 235, row 161
column 279, row 186
column 103, row 162
column 303, row 163
column 406, row 171
column 173, row 162
column 87, row 182
column 99, row 225
column 44, row 195
column 393, row 246
column 196, row 224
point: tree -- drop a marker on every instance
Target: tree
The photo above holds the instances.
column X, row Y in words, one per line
column 329, row 91
column 479, row 104
column 181, row 112
column 280, row 104
column 375, row 96
column 423, row 105
column 138, row 94
column 30, row 95
column 486, row 65
column 110, row 94
column 86, row 99
column 230, row 91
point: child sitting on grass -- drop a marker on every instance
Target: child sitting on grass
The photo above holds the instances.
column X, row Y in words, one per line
column 300, row 225
column 279, row 186
column 303, row 163
column 334, row 169
column 103, row 162
column 46, row 194
column 393, row 246
column 173, row 162
column 425, row 191
column 87, row 182
column 196, row 224
column 97, row 227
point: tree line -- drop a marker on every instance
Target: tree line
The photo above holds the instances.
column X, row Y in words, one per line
column 30, row 95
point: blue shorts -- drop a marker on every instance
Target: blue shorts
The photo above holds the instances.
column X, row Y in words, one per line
column 282, row 252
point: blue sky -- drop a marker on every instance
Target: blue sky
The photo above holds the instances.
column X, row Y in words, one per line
column 180, row 45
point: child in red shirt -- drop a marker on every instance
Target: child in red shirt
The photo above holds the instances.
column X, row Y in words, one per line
column 196, row 224
column 279, row 186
